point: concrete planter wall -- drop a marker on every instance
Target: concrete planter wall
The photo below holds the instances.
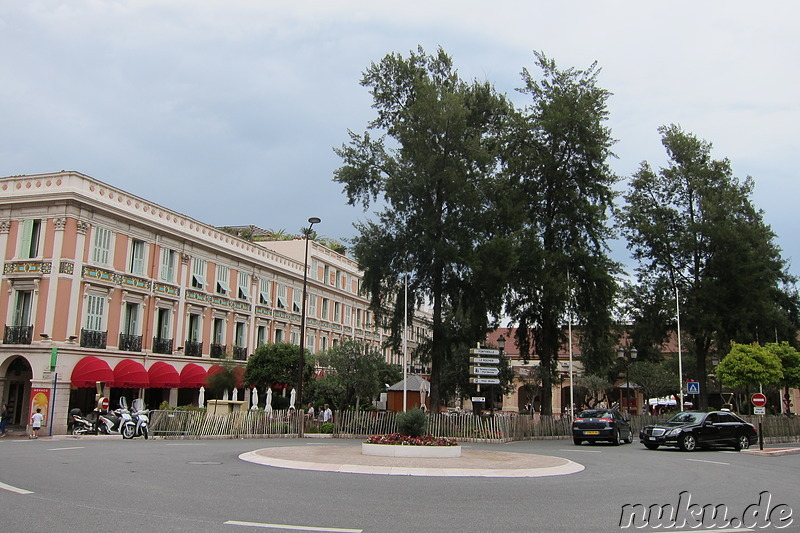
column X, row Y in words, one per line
column 391, row 450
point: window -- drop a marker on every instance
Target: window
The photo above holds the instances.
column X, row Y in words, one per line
column 261, row 336
column 294, row 337
column 281, row 296
column 198, row 273
column 163, row 330
column 297, row 299
column 194, row 328
column 22, row 308
column 326, row 276
column 309, row 344
column 29, row 246
column 94, row 312
column 168, row 258
column 241, row 334
column 337, row 312
column 278, row 335
column 263, row 292
column 323, row 344
column 358, row 318
column 137, row 257
column 315, row 269
column 244, row 286
column 131, row 324
column 223, row 274
column 325, row 303
column 218, row 332
column 102, row 246
column 347, row 313
column 312, row 306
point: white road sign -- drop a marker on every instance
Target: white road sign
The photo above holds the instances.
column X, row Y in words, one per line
column 483, row 351
column 484, row 370
column 485, row 381
column 485, row 360
column 476, row 399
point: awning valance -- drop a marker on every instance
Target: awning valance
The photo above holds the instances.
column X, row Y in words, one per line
column 163, row 376
column 131, row 374
column 89, row 371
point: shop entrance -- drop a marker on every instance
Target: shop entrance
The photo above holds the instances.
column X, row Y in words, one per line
column 18, row 390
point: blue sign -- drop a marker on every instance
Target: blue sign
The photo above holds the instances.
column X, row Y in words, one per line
column 692, row 387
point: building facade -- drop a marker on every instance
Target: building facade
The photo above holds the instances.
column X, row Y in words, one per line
column 101, row 286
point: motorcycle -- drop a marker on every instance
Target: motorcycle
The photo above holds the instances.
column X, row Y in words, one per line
column 117, row 422
column 140, row 419
column 80, row 425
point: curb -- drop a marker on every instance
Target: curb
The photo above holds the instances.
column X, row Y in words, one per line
column 773, row 452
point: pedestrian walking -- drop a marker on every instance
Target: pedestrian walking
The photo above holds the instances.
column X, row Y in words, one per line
column 36, row 423
column 3, row 416
column 310, row 413
column 327, row 415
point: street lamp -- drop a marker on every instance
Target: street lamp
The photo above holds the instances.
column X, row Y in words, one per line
column 311, row 221
column 633, row 353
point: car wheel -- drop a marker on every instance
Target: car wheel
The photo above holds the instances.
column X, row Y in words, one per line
column 650, row 445
column 742, row 442
column 577, row 442
column 616, row 441
column 687, row 442
column 630, row 437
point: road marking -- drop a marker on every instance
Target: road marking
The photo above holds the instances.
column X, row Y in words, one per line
column 14, row 489
column 186, row 444
column 730, row 530
column 291, row 528
column 580, row 451
column 70, row 448
column 704, row 461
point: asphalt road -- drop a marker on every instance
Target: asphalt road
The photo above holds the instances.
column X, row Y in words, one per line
column 166, row 485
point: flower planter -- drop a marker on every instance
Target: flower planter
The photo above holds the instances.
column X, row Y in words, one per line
column 391, row 450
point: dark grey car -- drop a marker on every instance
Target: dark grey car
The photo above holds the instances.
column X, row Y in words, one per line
column 689, row 430
column 602, row 425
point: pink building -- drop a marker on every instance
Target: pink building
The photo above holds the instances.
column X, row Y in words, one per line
column 102, row 286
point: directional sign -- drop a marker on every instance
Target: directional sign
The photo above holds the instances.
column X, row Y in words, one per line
column 484, row 370
column 485, row 381
column 692, row 387
column 483, row 351
column 476, row 399
column 759, row 410
column 485, row 360
column 758, row 399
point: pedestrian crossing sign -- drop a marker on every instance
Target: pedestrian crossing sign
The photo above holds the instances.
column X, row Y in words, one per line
column 692, row 387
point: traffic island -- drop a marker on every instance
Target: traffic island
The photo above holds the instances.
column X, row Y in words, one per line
column 390, row 450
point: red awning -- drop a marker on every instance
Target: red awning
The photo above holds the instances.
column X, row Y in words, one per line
column 163, row 376
column 214, row 369
column 193, row 376
column 131, row 374
column 89, row 371
column 238, row 373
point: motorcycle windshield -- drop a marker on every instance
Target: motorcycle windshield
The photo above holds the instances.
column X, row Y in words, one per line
column 123, row 403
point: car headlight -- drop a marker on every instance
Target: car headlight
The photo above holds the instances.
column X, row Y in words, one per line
column 674, row 432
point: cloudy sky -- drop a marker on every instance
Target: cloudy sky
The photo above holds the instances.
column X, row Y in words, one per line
column 228, row 111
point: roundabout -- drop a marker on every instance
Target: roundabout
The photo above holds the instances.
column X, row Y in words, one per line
column 472, row 463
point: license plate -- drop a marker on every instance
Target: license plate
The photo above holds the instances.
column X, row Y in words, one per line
column 652, row 438
column 591, row 432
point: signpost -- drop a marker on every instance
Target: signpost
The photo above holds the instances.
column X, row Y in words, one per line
column 484, row 366
column 759, row 402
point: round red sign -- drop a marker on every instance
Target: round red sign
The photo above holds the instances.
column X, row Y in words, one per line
column 103, row 403
column 758, row 399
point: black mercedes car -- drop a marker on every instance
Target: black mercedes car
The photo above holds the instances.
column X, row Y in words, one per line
column 601, row 424
column 689, row 430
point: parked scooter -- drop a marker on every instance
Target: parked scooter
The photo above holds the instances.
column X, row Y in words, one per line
column 117, row 422
column 80, row 425
column 140, row 418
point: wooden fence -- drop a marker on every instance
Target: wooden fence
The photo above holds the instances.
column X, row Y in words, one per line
column 351, row 424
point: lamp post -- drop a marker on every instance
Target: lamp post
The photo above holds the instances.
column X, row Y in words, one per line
column 633, row 354
column 311, row 221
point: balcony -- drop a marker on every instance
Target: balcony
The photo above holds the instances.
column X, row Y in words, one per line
column 218, row 350
column 193, row 349
column 162, row 345
column 18, row 335
column 93, row 339
column 130, row 343
column 240, row 353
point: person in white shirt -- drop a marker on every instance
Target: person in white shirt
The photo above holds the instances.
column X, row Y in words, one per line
column 36, row 423
column 327, row 415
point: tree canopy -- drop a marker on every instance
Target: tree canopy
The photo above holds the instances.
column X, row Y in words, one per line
column 275, row 363
column 749, row 365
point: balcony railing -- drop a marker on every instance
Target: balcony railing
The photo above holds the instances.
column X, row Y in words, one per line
column 193, row 349
column 130, row 343
column 93, row 339
column 240, row 353
column 18, row 335
column 162, row 345
column 218, row 350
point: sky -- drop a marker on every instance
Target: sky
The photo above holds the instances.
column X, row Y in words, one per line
column 228, row 111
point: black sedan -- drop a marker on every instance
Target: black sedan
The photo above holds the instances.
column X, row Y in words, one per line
column 601, row 424
column 690, row 430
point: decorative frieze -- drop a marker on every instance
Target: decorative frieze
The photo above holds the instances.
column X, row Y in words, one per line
column 66, row 267
column 169, row 290
column 59, row 223
column 110, row 277
column 5, row 226
column 27, row 267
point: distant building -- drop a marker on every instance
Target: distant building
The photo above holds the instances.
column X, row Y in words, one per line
column 103, row 286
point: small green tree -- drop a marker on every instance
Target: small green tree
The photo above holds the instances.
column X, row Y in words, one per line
column 749, row 365
column 596, row 388
column 790, row 363
column 654, row 379
column 221, row 380
column 275, row 363
column 413, row 423
column 356, row 370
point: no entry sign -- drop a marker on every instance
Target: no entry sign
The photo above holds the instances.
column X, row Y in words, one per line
column 758, row 399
